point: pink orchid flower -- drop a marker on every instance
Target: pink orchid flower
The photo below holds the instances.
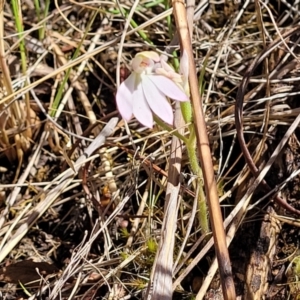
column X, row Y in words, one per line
column 146, row 90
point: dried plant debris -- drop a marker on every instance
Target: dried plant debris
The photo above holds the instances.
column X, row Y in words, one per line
column 82, row 192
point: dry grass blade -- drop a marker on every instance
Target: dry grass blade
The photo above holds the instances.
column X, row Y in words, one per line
column 79, row 256
column 160, row 286
column 117, row 224
column 50, row 197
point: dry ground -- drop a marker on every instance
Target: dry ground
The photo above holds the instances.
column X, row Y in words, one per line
column 77, row 226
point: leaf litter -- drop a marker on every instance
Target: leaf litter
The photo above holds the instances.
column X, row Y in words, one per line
column 85, row 223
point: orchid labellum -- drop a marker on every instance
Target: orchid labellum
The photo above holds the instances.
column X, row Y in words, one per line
column 146, row 90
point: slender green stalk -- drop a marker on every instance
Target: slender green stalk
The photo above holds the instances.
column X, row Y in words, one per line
column 187, row 113
column 38, row 14
column 202, row 207
column 186, row 110
column 191, row 150
column 169, row 20
column 46, row 11
column 37, row 9
column 20, row 30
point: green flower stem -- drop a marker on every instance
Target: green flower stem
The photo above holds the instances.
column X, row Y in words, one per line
column 186, row 110
column 170, row 129
column 203, row 212
column 191, row 150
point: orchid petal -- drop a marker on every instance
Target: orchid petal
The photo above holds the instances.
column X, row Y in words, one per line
column 167, row 67
column 171, row 72
column 124, row 97
column 161, row 71
column 168, row 87
column 171, row 75
column 141, row 109
column 157, row 101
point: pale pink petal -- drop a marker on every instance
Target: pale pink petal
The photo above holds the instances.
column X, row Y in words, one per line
column 171, row 75
column 141, row 109
column 124, row 97
column 168, row 87
column 167, row 67
column 157, row 101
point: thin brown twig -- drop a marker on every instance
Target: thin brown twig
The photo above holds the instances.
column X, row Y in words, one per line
column 205, row 158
